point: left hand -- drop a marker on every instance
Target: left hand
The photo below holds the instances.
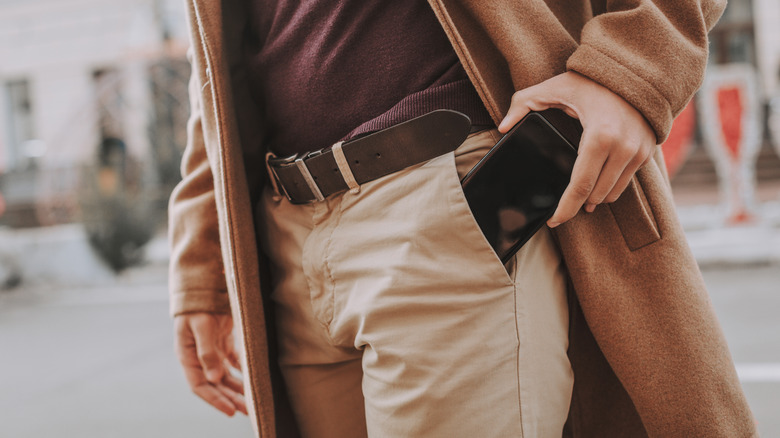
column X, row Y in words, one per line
column 616, row 139
column 205, row 347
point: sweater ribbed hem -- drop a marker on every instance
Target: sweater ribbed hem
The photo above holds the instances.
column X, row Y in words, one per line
column 459, row 96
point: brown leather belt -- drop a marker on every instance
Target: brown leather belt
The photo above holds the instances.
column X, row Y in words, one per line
column 314, row 176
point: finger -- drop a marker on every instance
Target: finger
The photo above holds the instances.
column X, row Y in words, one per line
column 217, row 398
column 236, row 399
column 208, row 392
column 183, row 342
column 610, row 174
column 230, row 351
column 535, row 98
column 188, row 356
column 517, row 110
column 227, row 397
column 625, row 178
column 233, row 383
column 234, row 360
column 207, row 337
column 584, row 175
column 557, row 92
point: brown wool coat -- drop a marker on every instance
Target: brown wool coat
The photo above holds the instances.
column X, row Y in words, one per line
column 648, row 355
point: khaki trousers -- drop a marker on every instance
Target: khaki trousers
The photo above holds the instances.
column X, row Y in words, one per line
column 396, row 318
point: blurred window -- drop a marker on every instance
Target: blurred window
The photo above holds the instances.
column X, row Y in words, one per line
column 20, row 123
column 732, row 39
column 170, row 110
column 110, row 104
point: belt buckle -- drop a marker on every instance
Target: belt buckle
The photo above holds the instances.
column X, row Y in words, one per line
column 298, row 161
column 273, row 163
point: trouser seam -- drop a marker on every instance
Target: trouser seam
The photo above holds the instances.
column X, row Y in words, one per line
column 306, row 262
column 329, row 271
column 517, row 349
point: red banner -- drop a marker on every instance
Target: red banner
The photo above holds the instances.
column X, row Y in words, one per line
column 678, row 146
column 730, row 109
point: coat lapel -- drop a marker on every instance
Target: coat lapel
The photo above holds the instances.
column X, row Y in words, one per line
column 213, row 60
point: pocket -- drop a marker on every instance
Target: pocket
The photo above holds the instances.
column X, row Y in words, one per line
column 460, row 213
column 634, row 216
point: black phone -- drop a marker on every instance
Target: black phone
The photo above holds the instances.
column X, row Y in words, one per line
column 515, row 188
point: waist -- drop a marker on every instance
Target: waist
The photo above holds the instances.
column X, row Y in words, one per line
column 315, row 175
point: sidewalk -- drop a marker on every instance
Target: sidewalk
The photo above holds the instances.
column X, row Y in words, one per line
column 714, row 243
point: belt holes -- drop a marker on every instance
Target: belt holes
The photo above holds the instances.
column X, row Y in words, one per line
column 357, row 161
column 378, row 155
column 336, row 170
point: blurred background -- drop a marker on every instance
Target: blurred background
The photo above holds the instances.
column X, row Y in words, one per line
column 93, row 107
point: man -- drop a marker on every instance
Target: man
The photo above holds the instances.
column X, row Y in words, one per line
column 380, row 307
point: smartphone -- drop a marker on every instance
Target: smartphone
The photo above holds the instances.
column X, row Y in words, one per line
column 515, row 188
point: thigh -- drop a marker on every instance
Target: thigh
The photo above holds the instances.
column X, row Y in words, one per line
column 327, row 399
column 323, row 381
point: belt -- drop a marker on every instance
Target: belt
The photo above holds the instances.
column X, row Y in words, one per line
column 313, row 176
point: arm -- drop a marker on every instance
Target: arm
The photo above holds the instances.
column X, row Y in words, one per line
column 652, row 53
column 637, row 65
column 198, row 300
column 197, row 280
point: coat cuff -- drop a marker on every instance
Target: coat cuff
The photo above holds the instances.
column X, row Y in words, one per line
column 600, row 67
column 202, row 300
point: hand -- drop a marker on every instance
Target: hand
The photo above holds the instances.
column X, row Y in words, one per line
column 205, row 347
column 616, row 139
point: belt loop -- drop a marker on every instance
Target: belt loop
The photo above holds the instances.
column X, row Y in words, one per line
column 272, row 176
column 346, row 172
column 315, row 190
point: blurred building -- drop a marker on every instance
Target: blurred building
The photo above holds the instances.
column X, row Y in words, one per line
column 747, row 33
column 87, row 87
column 93, row 97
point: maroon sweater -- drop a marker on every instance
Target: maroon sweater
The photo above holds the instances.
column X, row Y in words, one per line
column 329, row 70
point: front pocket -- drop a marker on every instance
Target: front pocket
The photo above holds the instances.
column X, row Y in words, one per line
column 461, row 213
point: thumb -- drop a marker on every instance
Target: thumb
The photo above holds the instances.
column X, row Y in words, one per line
column 557, row 92
column 206, row 332
column 534, row 98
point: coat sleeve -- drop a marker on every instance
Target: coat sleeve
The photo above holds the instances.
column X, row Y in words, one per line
column 196, row 274
column 651, row 52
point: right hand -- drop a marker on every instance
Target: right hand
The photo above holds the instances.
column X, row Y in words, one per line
column 205, row 347
column 616, row 139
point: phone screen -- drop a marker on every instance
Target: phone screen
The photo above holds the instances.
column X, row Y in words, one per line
column 516, row 187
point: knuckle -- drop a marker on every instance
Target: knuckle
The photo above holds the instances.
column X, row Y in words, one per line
column 518, row 97
column 629, row 150
column 626, row 158
column 209, row 357
column 581, row 190
column 596, row 199
column 606, row 137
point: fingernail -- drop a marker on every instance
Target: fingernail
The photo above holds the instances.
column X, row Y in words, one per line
column 590, row 208
column 553, row 224
column 213, row 375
